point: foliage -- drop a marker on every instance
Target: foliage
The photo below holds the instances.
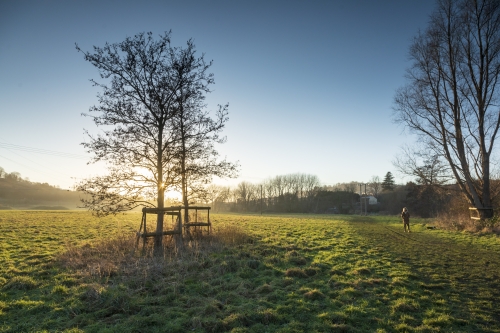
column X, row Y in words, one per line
column 278, row 273
column 388, row 182
column 426, row 201
column 343, row 201
column 456, row 216
column 16, row 192
column 391, row 202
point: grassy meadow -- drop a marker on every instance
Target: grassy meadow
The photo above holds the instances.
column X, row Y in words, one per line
column 71, row 272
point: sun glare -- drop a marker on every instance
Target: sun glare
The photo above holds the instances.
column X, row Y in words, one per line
column 173, row 195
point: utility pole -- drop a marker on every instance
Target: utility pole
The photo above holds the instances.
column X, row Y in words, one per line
column 366, row 202
column 361, row 200
column 261, row 199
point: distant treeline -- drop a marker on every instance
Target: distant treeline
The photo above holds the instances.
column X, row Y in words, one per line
column 292, row 193
column 19, row 193
column 299, row 193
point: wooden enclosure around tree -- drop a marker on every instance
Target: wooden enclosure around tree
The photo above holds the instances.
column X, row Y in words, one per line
column 175, row 226
column 198, row 221
column 480, row 213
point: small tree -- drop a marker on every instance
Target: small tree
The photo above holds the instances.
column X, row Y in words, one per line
column 375, row 185
column 196, row 135
column 215, row 194
column 426, row 167
column 350, row 187
column 388, row 183
column 246, row 192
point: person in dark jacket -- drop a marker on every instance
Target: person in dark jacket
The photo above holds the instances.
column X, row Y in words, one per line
column 405, row 215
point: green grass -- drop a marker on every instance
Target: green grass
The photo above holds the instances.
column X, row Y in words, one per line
column 66, row 271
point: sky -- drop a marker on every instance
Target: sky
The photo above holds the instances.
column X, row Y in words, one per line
column 310, row 84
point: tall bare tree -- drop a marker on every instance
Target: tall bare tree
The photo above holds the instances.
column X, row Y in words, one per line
column 350, row 187
column 197, row 132
column 452, row 97
column 246, row 192
column 143, row 80
column 215, row 194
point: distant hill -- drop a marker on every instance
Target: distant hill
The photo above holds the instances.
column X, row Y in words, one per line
column 16, row 193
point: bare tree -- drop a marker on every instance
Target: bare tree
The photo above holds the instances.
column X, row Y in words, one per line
column 451, row 100
column 426, row 193
column 428, row 168
column 350, row 187
column 246, row 192
column 196, row 135
column 144, row 80
column 216, row 194
column 311, row 184
column 375, row 185
column 269, row 191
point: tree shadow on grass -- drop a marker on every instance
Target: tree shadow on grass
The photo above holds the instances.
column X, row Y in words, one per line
column 282, row 275
column 449, row 276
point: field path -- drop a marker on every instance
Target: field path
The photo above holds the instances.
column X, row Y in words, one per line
column 462, row 269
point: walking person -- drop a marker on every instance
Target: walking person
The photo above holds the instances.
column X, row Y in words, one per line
column 405, row 215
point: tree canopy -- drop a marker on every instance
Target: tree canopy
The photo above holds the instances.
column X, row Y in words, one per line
column 388, row 182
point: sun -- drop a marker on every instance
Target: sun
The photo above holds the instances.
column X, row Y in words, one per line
column 173, row 196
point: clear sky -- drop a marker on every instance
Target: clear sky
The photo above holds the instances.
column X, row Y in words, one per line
column 310, row 84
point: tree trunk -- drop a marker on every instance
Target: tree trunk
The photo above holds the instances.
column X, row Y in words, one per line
column 185, row 200
column 158, row 243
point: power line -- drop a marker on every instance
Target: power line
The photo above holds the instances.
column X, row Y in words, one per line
column 43, row 166
column 42, row 151
column 23, row 165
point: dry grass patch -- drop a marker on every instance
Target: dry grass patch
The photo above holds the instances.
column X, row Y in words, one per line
column 314, row 294
column 295, row 272
column 118, row 257
column 405, row 304
column 264, row 289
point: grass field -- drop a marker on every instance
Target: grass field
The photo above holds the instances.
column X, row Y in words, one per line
column 70, row 272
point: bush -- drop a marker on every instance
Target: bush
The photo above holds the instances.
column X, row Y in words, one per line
column 455, row 216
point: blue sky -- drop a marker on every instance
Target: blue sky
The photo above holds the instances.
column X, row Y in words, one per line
column 310, row 85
